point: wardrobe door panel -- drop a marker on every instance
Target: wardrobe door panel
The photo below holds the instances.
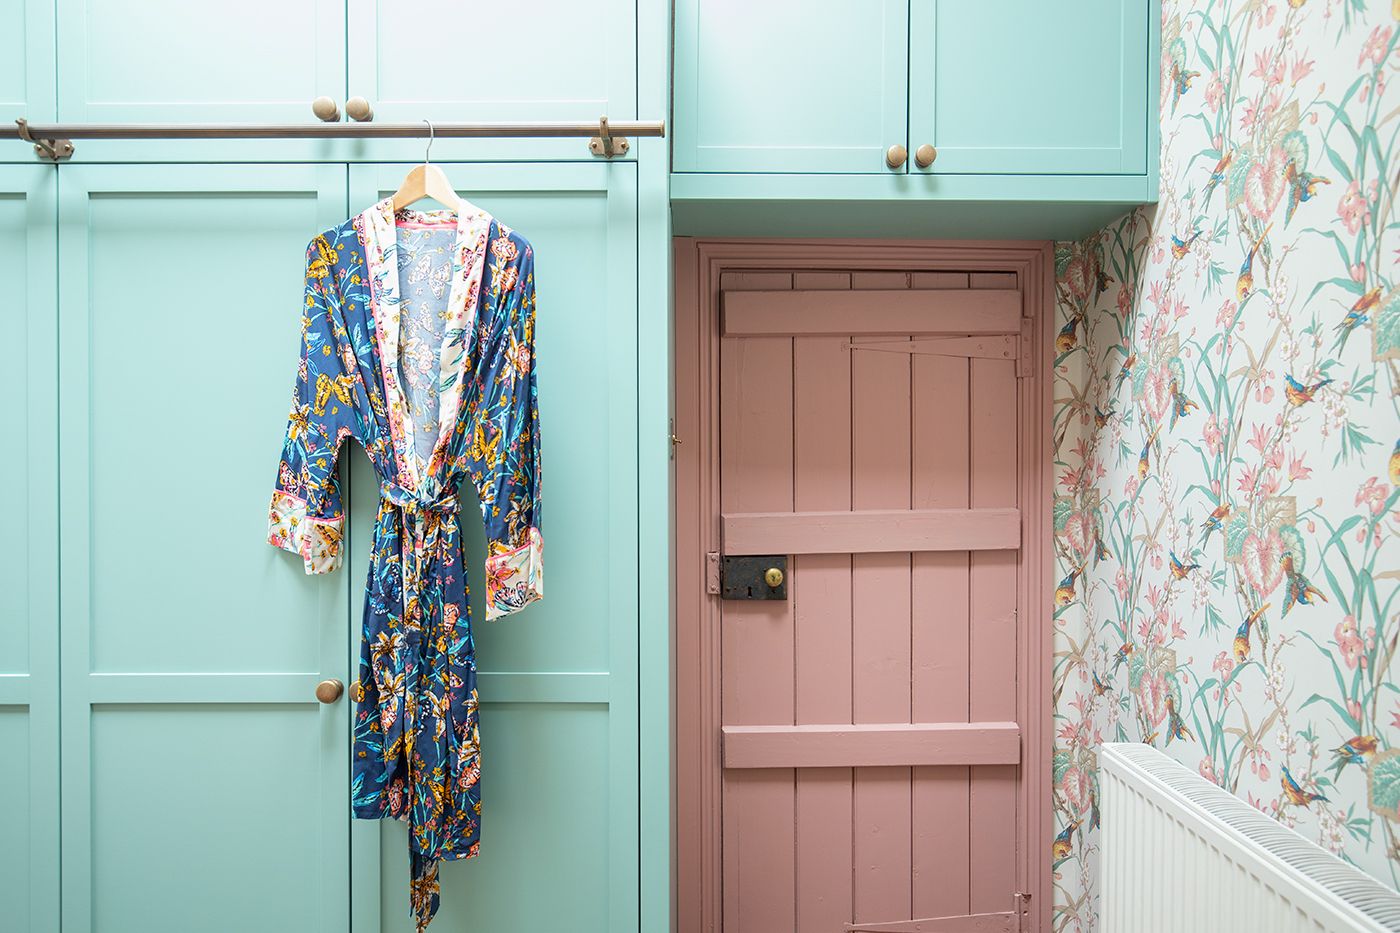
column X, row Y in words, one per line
column 26, row 69
column 29, row 553
column 203, row 785
column 171, row 61
column 558, row 682
column 494, row 62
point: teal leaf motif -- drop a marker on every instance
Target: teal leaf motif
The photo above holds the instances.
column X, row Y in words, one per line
column 1383, row 784
column 1063, row 509
column 1236, row 530
column 1235, row 177
column 1062, row 763
column 1293, row 541
column 1387, row 333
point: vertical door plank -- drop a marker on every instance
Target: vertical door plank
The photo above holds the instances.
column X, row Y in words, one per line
column 756, row 659
column 939, row 640
column 993, row 622
column 880, row 467
column 821, row 596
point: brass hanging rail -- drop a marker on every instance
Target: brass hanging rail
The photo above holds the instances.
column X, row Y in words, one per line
column 55, row 140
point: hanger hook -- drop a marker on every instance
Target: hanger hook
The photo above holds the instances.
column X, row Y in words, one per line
column 427, row 151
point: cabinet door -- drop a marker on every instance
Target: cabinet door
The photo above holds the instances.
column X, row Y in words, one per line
column 29, row 553
column 1025, row 87
column 26, row 69
column 789, row 85
column 558, row 682
column 203, row 785
column 172, row 61
column 492, row 62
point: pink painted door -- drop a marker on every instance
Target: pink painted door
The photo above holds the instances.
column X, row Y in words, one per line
column 871, row 753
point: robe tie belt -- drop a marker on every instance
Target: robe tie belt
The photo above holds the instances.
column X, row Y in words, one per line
column 425, row 533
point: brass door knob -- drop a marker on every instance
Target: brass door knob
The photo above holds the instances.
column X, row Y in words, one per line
column 923, row 156
column 326, row 110
column 328, row 691
column 359, row 110
column 773, row 577
column 895, row 155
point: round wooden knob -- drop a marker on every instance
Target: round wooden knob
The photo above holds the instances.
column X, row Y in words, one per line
column 328, row 691
column 326, row 110
column 895, row 155
column 924, row 155
column 358, row 109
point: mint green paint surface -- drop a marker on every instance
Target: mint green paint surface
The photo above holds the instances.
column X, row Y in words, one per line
column 789, row 85
column 202, row 784
column 1026, row 87
column 26, row 68
column 559, row 715
column 29, row 848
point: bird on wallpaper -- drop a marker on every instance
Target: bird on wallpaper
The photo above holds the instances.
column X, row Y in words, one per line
column 1214, row 519
column 1217, row 174
column 1181, row 405
column 1356, row 315
column 1100, row 688
column 1241, row 646
column 1354, row 751
column 1300, row 394
column 1244, row 286
column 1302, row 186
column 1295, row 793
column 1297, row 588
column 1181, row 78
column 1395, row 465
column 1066, row 340
column 1064, row 593
column 1100, row 550
column 1176, row 727
column 1101, row 417
column 1126, row 371
column 1124, row 652
column 1145, row 462
column 1064, row 842
column 1101, row 282
column 1179, row 569
column 1181, row 247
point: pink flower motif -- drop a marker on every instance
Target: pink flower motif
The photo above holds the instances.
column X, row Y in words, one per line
column 1249, row 478
column 1122, row 584
column 1076, row 786
column 1354, row 711
column 1215, row 93
column 1349, row 642
column 1207, row 770
column 1358, row 273
column 1301, row 69
column 1374, row 48
column 1125, row 300
column 1297, row 469
column 1211, row 435
column 1373, row 493
column 1260, row 438
column 1353, row 209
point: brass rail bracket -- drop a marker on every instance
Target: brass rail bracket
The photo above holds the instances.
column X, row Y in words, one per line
column 51, row 149
column 607, row 145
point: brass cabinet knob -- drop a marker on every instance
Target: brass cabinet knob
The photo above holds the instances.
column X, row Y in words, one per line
column 773, row 577
column 359, row 110
column 923, row 156
column 326, row 110
column 895, row 155
column 328, row 691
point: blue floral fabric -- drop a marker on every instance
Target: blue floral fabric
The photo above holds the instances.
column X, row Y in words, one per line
column 418, row 336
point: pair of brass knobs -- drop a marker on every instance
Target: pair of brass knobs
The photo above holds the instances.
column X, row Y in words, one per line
column 328, row 111
column 923, row 156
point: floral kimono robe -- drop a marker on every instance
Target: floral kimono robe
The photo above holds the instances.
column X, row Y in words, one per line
column 417, row 333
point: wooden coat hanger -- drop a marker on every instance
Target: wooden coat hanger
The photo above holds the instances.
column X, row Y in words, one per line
column 426, row 181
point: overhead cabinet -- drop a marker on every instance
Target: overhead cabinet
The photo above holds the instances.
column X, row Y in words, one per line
column 896, row 87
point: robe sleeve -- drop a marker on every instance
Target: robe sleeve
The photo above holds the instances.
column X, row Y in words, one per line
column 305, row 516
column 504, row 452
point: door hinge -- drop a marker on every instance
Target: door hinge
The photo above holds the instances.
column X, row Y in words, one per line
column 674, row 440
column 1025, row 360
column 712, row 573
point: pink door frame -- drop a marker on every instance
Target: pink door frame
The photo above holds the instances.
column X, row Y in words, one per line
column 699, row 264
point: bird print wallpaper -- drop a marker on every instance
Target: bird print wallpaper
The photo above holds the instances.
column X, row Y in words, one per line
column 1227, row 440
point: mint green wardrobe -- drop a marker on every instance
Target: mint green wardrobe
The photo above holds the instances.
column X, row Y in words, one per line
column 173, row 769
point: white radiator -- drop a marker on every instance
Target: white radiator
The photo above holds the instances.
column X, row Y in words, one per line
column 1181, row 854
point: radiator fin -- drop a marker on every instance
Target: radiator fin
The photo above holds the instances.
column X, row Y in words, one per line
column 1180, row 853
